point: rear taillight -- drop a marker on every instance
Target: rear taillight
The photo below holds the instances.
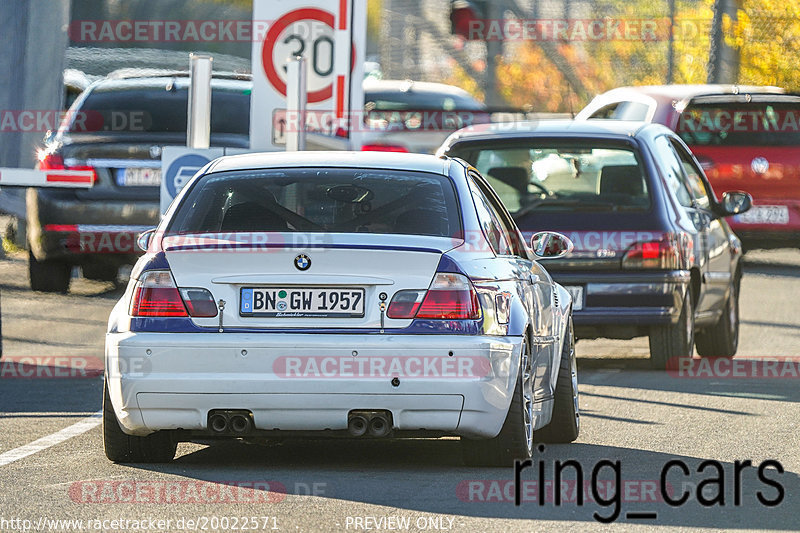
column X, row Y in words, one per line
column 383, row 148
column 199, row 302
column 660, row 254
column 405, row 304
column 156, row 295
column 53, row 161
column 450, row 297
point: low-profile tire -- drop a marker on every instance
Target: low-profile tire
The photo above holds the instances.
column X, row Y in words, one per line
column 673, row 341
column 515, row 440
column 49, row 276
column 722, row 339
column 100, row 272
column 565, row 425
column 119, row 447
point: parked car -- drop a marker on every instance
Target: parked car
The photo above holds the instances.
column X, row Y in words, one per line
column 340, row 293
column 412, row 116
column 653, row 253
column 117, row 128
column 745, row 137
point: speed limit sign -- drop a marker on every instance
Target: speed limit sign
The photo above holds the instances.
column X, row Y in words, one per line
column 332, row 38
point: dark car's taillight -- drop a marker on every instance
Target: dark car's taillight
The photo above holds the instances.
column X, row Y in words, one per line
column 661, row 254
column 54, row 161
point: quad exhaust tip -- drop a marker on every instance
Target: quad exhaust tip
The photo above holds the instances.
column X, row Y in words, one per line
column 230, row 422
column 357, row 425
column 376, row 424
column 218, row 423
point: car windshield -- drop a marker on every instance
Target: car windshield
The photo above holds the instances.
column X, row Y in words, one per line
column 741, row 124
column 561, row 176
column 340, row 200
column 139, row 108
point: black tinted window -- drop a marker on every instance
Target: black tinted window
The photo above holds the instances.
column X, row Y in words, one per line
column 741, row 124
column 376, row 100
column 337, row 200
column 150, row 109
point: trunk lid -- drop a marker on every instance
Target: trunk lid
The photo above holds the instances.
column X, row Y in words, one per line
column 600, row 248
column 233, row 265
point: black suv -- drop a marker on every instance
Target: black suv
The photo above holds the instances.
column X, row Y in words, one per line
column 117, row 128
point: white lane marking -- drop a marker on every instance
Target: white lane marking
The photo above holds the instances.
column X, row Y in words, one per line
column 51, row 440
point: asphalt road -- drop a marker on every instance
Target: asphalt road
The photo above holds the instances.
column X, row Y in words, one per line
column 641, row 418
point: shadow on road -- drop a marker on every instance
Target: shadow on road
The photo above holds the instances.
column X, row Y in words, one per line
column 428, row 476
column 48, row 389
column 780, row 385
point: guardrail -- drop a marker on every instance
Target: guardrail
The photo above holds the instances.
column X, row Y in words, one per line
column 25, row 177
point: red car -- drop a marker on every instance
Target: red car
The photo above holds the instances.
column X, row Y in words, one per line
column 745, row 137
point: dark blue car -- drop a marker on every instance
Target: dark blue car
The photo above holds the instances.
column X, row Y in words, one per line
column 653, row 253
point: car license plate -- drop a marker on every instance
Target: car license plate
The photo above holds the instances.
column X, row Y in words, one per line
column 301, row 302
column 139, row 177
column 765, row 214
column 576, row 292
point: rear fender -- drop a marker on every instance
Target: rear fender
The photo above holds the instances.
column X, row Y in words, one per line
column 562, row 310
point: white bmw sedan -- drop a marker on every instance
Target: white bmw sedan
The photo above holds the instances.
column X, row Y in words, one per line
column 361, row 295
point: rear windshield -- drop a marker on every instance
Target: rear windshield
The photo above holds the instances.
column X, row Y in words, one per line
column 741, row 124
column 148, row 109
column 551, row 175
column 377, row 100
column 315, row 200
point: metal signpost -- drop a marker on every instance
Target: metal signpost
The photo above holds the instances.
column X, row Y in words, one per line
column 296, row 100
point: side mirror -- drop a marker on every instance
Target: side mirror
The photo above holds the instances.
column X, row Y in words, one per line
column 735, row 203
column 144, row 238
column 550, row 245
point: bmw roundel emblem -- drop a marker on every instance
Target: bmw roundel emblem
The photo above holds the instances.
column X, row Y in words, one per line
column 302, row 262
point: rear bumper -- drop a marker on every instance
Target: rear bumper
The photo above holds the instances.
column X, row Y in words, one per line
column 626, row 299
column 62, row 226
column 307, row 382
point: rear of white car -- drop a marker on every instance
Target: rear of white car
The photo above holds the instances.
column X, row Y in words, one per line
column 228, row 331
